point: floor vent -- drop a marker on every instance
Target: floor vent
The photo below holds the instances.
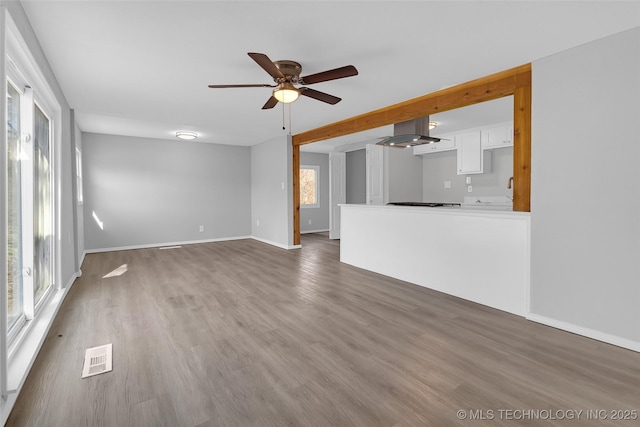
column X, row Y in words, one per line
column 170, row 247
column 97, row 360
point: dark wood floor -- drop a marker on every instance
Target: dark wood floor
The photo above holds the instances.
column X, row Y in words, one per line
column 241, row 333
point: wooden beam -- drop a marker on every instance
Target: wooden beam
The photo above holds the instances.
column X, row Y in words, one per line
column 296, row 194
column 515, row 81
column 522, row 149
column 483, row 89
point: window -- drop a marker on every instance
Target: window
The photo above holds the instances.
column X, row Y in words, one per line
column 309, row 193
column 33, row 134
column 14, row 211
column 79, row 175
column 29, row 188
column 42, row 207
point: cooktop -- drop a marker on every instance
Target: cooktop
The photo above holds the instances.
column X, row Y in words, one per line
column 425, row 204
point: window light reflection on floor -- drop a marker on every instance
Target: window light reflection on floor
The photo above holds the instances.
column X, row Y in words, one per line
column 117, row 272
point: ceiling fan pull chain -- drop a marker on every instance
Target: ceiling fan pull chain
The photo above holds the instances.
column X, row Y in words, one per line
column 289, row 118
column 283, row 128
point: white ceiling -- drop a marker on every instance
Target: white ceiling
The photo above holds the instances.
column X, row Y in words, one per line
column 141, row 68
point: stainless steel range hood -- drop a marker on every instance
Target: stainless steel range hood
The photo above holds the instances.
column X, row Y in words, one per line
column 410, row 133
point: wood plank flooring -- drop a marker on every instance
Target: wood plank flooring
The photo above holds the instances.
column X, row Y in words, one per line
column 241, row 333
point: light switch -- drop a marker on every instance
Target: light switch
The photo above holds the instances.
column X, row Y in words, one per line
column 469, row 189
column 468, row 180
column 447, row 184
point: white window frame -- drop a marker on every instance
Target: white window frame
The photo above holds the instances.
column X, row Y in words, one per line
column 30, row 99
column 79, row 185
column 17, row 82
column 15, row 355
column 37, row 102
column 316, row 168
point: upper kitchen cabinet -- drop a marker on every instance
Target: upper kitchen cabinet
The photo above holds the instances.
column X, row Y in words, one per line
column 499, row 136
column 447, row 143
column 471, row 159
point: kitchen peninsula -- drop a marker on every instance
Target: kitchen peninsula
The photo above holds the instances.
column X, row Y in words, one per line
column 478, row 255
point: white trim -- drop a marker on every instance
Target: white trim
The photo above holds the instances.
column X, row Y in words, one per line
column 586, row 332
column 187, row 242
column 3, row 220
column 279, row 245
column 314, row 231
column 157, row 245
column 81, row 261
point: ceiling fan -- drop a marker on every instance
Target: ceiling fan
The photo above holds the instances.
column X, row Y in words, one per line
column 286, row 74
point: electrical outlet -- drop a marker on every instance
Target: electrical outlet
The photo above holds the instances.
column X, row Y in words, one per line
column 201, row 228
column 447, row 184
column 309, row 222
column 469, row 189
column 257, row 223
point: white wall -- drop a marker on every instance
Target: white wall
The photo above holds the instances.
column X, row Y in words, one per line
column 319, row 216
column 271, row 189
column 150, row 192
column 356, row 179
column 402, row 175
column 585, row 205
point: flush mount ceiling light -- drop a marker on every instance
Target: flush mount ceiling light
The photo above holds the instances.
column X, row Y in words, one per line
column 433, row 125
column 286, row 93
column 186, row 135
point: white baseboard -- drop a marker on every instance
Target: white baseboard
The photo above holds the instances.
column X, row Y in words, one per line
column 586, row 332
column 159, row 245
column 279, row 245
column 84, row 253
column 314, row 231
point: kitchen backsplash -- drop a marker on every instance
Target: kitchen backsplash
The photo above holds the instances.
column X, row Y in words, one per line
column 440, row 169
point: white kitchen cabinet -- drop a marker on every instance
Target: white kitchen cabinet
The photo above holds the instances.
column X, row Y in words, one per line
column 447, row 143
column 470, row 155
column 497, row 137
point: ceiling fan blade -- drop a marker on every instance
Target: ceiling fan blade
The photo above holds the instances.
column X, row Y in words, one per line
column 272, row 102
column 336, row 73
column 266, row 64
column 320, row 96
column 232, row 86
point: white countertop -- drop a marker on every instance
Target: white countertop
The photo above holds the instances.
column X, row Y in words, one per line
column 456, row 210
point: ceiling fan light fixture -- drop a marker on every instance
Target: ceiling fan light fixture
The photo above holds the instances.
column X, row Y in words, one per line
column 286, row 93
column 186, row 135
